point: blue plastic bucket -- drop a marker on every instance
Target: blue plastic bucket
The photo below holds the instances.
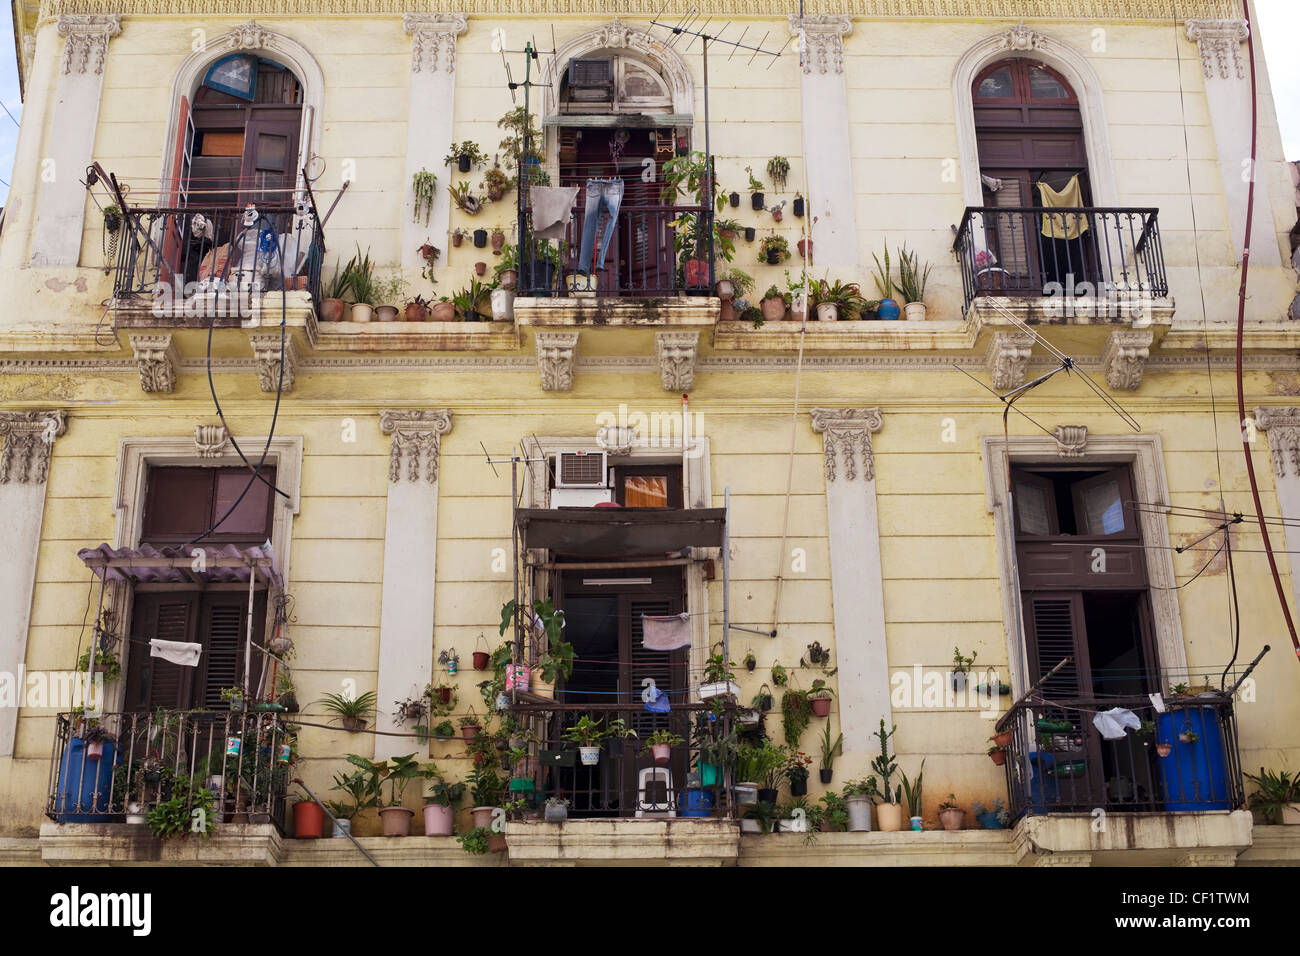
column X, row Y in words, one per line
column 696, row 803
column 1194, row 774
column 82, row 792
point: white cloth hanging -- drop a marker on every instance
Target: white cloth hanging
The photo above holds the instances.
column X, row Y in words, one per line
column 666, row 633
column 552, row 209
column 178, row 652
column 1112, row 723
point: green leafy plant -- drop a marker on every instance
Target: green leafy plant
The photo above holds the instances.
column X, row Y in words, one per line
column 820, row 690
column 484, row 785
column 742, row 281
column 398, row 774
column 187, row 811
column 778, row 168
column 862, row 787
column 390, row 289
column 661, row 737
column 773, row 243
column 960, row 663
column 780, row 677
column 441, row 792
column 911, row 277
column 558, row 657
column 1274, row 793
column 764, row 813
column 831, row 748
column 464, row 199
column 884, row 766
column 950, row 803
column 340, row 285
column 496, row 182
column 796, row 713
column 589, row 733
column 352, row 708
column 761, row 763
column 475, row 841
column 106, row 661
column 468, row 148
column 363, row 279
column 912, row 791
column 424, row 185
column 717, row 669
column 835, row 813
column 846, row 296
column 754, row 185
column 884, row 280
column 444, row 730
column 472, row 301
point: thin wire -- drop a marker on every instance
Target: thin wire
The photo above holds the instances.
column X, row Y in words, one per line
column 11, row 116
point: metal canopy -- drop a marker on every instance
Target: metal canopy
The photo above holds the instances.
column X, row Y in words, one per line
column 624, row 532
column 145, row 564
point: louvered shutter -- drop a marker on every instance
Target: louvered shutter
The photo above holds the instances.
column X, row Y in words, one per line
column 1055, row 630
column 152, row 682
column 659, row 666
column 224, row 633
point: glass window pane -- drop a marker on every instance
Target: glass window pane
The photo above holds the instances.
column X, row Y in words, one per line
column 645, row 491
column 997, row 85
column 1044, row 86
column 1103, row 509
column 250, row 518
column 1031, row 509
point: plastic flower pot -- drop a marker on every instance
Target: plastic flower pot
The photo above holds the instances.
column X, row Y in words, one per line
column 750, row 233
column 662, row 753
column 989, row 821
column 821, row 706
column 915, row 311
column 439, row 820
column 480, row 238
column 464, row 161
column 917, row 823
column 481, row 659
column 734, row 199
column 354, row 724
column 361, row 312
column 697, row 803
column 825, row 775
column 396, row 820
column 94, row 749
column 827, row 312
column 518, row 676
column 767, row 795
column 719, row 689
column 342, row 828
column 890, row 817
column 797, row 207
column 1003, row 739
column 555, row 812
column 859, row 807
column 710, row 774
column 308, row 820
column 952, row 819
column 482, row 816
column 746, row 793
column 799, row 788
column 469, row 733
column 590, row 756
column 134, row 814
column 756, row 201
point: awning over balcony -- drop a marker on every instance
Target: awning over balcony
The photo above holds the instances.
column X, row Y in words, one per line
column 622, row 532
column 150, row 565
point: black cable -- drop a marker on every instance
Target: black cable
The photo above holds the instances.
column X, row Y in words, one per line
column 1235, row 611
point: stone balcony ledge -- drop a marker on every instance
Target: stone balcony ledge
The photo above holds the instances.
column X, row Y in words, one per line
column 617, row 312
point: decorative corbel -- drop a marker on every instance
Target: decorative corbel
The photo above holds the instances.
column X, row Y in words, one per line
column 676, row 353
column 158, row 360
column 266, row 352
column 1125, row 356
column 556, row 352
column 1008, row 359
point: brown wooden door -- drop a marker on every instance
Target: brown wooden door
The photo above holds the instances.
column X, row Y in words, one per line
column 152, row 682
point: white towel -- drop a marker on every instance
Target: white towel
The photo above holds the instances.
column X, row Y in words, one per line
column 1112, row 722
column 178, row 652
column 552, row 209
column 666, row 633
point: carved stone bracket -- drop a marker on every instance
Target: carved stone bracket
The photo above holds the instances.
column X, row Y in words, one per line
column 1220, row 44
column 1008, row 359
column 266, row 352
column 210, row 440
column 846, row 441
column 676, row 354
column 28, row 441
column 1125, row 356
column 158, row 360
column 1283, row 426
column 1022, row 39
column 1071, row 440
column 417, row 435
column 433, row 37
column 556, row 352
column 823, row 41
column 87, row 38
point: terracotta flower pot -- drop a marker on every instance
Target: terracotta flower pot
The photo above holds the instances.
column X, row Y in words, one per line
column 480, row 268
column 497, row 843
column 415, row 312
column 1164, row 750
column 953, row 819
column 777, row 215
column 308, row 820
column 498, row 240
column 481, row 659
column 806, row 248
column 469, row 733
column 386, row 313
column 95, row 750
column 999, row 757
column 331, row 310
column 773, row 309
column 1003, row 739
column 482, row 816
column 354, row 724
column 396, row 821
column 509, row 279
column 726, row 289
column 821, row 706
column 662, row 753
column 444, row 311
column 889, row 816
column 439, row 820
column 457, row 238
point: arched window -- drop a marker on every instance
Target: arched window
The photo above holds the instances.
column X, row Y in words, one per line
column 1032, row 153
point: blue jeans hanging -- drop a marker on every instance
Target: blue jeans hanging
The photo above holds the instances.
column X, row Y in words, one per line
column 606, row 194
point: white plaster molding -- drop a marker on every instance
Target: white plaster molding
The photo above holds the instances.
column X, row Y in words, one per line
column 87, row 36
column 1008, row 359
column 1146, row 456
column 1071, row 440
column 210, row 441
column 821, row 41
column 1219, row 42
column 158, row 360
column 28, row 441
column 676, row 354
column 416, row 435
column 618, row 38
column 846, row 441
column 257, row 38
column 1125, row 356
column 1283, row 426
column 433, row 35
column 267, row 355
column 1076, row 69
column 555, row 356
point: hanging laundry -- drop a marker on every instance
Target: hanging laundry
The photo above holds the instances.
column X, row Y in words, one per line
column 1111, row 723
column 666, row 633
column 1063, row 225
column 656, row 701
column 552, row 209
column 178, row 652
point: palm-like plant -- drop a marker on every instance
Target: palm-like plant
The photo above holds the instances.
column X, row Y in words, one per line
column 349, row 709
column 911, row 278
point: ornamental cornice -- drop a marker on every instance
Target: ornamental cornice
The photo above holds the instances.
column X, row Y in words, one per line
column 1061, row 10
column 417, row 437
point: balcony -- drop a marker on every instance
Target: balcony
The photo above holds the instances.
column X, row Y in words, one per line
column 199, row 265
column 142, row 760
column 1058, row 762
column 1088, row 264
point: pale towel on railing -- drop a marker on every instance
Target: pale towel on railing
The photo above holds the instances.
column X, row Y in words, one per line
column 666, row 633
column 552, row 209
column 178, row 652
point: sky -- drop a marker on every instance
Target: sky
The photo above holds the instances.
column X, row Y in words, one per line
column 1279, row 24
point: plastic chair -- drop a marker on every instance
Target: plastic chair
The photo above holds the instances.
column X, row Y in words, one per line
column 647, row 808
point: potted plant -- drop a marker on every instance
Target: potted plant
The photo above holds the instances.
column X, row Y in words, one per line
column 885, row 307
column 350, row 711
column 796, row 772
column 911, row 284
column 234, row 696
column 719, row 679
column 106, row 663
column 443, row 731
column 733, row 198
column 733, row 289
column 998, row 755
column 778, row 211
column 778, row 169
column 830, row 750
column 362, row 785
column 819, row 698
column 750, row 661
column 763, row 700
column 521, row 145
column 457, row 237
column 95, row 736
column 417, row 310
column 796, row 714
column 557, row 810
column 471, row 301
column 308, row 819
column 362, row 287
column 797, row 206
column 912, row 793
column 773, row 250
column 996, row 818
column 557, row 660
column 780, row 676
column 335, row 291
column 470, row 728
column 507, row 269
column 755, row 191
column 440, row 804
column 465, row 156
column 890, row 812
column 761, row 766
column 951, row 815
column 1277, row 798
column 961, row 667
column 660, row 745
column 429, row 254
column 484, row 793
column 727, row 229
column 387, row 289
column 424, row 186
column 465, row 200
column 859, row 795
column 773, row 305
column 837, row 300
column 588, row 735
column 496, row 182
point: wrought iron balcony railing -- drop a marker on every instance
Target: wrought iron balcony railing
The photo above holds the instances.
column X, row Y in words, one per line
column 124, row 764
column 214, row 261
column 1067, row 253
column 1058, row 762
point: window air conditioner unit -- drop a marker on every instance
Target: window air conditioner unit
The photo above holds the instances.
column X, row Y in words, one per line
column 581, row 469
column 591, row 73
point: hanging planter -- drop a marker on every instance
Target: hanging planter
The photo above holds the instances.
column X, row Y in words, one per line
column 750, row 233
column 797, row 206
column 480, row 238
column 998, row 756
column 825, row 775
column 481, row 660
column 590, row 756
column 457, row 237
column 734, row 199
column 763, row 699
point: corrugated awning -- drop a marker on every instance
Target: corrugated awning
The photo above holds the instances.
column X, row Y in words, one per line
column 177, row 566
column 623, row 532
